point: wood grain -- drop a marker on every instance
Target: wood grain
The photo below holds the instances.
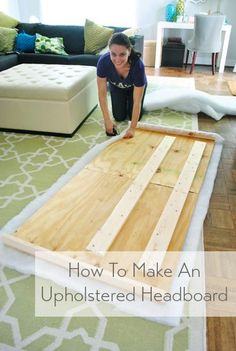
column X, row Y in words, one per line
column 164, row 229
column 104, row 237
column 70, row 219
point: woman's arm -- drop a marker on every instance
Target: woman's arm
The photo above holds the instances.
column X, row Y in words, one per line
column 137, row 103
column 102, row 96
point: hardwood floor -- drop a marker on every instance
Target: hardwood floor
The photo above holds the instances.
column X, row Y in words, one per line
column 220, row 222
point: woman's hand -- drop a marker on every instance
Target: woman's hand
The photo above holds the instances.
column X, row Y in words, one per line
column 109, row 127
column 137, row 102
column 102, row 95
column 130, row 133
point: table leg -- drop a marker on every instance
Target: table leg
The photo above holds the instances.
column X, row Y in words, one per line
column 224, row 50
column 160, row 34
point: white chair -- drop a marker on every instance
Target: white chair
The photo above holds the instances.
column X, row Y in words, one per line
column 206, row 38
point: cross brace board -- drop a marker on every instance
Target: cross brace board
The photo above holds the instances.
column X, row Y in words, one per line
column 162, row 234
column 107, row 233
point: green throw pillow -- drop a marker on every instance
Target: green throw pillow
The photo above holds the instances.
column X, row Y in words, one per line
column 7, row 21
column 96, row 37
column 49, row 45
column 7, row 39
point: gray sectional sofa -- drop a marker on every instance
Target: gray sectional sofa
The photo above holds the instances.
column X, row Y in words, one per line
column 73, row 41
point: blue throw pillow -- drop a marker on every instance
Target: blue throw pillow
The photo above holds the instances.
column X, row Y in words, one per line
column 25, row 42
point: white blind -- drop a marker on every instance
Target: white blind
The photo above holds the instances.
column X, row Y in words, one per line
column 105, row 12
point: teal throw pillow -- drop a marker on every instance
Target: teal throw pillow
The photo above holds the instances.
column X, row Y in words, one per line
column 49, row 45
column 25, row 42
column 7, row 39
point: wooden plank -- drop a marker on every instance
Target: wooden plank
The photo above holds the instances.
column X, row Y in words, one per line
column 162, row 234
column 126, row 157
column 129, row 157
column 62, row 259
column 21, row 245
column 69, row 219
column 107, row 233
column 173, row 164
column 58, row 226
column 196, row 135
column 136, row 232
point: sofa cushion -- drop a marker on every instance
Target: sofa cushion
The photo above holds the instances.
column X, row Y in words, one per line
column 29, row 28
column 96, row 37
column 88, row 60
column 28, row 57
column 25, row 42
column 7, row 21
column 73, row 36
column 7, row 39
column 7, row 61
column 82, row 59
column 49, row 45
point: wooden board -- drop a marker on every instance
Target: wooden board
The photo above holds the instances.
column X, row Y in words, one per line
column 72, row 217
column 163, row 231
column 104, row 237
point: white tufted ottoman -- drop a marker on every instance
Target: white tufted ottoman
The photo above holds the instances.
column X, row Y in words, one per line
column 47, row 98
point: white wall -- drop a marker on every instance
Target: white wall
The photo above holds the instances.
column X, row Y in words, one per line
column 229, row 9
column 10, row 7
column 149, row 12
column 29, row 8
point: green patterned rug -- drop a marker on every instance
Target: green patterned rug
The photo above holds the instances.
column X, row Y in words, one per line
column 29, row 165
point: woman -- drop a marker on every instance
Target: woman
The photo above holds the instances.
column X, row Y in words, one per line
column 125, row 72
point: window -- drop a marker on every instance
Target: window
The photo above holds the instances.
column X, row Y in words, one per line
column 105, row 12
